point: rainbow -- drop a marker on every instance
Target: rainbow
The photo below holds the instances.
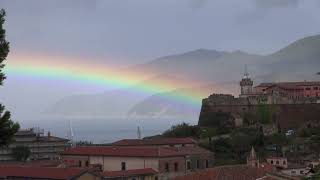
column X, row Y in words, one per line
column 65, row 68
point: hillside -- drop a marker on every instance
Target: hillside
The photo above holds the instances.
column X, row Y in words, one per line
column 194, row 70
column 116, row 102
column 296, row 62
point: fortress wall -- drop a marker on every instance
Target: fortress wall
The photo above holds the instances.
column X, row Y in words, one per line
column 287, row 115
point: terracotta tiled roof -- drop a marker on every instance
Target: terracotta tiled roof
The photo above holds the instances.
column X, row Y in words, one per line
column 291, row 84
column 129, row 173
column 52, row 139
column 35, row 163
column 135, row 151
column 235, row 172
column 160, row 141
column 40, row 172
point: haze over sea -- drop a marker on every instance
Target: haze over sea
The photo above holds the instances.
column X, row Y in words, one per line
column 104, row 130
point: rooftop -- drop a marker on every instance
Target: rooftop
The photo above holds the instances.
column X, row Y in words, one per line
column 129, row 173
column 234, row 172
column 40, row 172
column 286, row 84
column 141, row 151
column 160, row 141
column 34, row 163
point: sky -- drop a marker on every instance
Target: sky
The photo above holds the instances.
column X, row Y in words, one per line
column 121, row 33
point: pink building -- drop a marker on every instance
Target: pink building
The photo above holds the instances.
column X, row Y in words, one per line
column 290, row 89
column 281, row 162
column 168, row 162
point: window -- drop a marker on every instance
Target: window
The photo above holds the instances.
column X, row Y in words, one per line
column 80, row 163
column 87, row 163
column 277, row 162
column 284, row 163
column 188, row 165
column 207, row 163
column 166, row 168
column 301, row 172
column 308, row 89
column 293, row 172
column 198, row 164
column 271, row 161
column 176, row 167
column 123, row 166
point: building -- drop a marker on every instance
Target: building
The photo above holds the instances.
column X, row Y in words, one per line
column 163, row 142
column 134, row 174
column 246, row 85
column 232, row 172
column 36, row 173
column 294, row 90
column 280, row 162
column 253, row 170
column 296, row 170
column 167, row 161
column 41, row 146
column 252, row 159
column 291, row 104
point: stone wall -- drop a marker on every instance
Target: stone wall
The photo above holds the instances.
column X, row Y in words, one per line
column 288, row 116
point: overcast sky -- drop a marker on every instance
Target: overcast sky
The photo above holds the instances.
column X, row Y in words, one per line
column 126, row 32
column 134, row 31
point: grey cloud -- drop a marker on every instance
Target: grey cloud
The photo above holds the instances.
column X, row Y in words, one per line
column 276, row 3
column 198, row 4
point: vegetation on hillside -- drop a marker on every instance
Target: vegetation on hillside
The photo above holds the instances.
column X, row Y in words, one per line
column 7, row 127
column 182, row 130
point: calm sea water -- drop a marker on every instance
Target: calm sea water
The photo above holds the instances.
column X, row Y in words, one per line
column 104, row 130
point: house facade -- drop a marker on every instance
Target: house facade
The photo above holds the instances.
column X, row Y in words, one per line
column 168, row 162
column 41, row 146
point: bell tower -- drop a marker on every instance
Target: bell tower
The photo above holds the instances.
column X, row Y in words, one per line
column 252, row 159
column 246, row 84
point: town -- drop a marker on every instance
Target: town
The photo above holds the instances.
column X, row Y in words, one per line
column 259, row 138
column 159, row 90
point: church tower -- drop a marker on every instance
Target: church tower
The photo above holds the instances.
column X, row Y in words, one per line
column 252, row 159
column 246, row 84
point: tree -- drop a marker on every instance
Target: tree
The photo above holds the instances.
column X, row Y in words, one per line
column 21, row 153
column 264, row 113
column 182, row 130
column 7, row 127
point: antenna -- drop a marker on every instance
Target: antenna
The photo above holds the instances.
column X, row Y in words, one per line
column 71, row 134
column 138, row 133
column 246, row 74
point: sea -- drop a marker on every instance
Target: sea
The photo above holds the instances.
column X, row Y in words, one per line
column 104, row 130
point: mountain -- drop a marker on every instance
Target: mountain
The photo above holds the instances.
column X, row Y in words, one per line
column 164, row 104
column 199, row 65
column 295, row 62
column 201, row 70
column 114, row 103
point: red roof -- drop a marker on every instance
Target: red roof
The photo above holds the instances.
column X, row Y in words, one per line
column 291, row 84
column 160, row 141
column 34, row 163
column 40, row 172
column 235, row 172
column 135, row 151
column 129, row 173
